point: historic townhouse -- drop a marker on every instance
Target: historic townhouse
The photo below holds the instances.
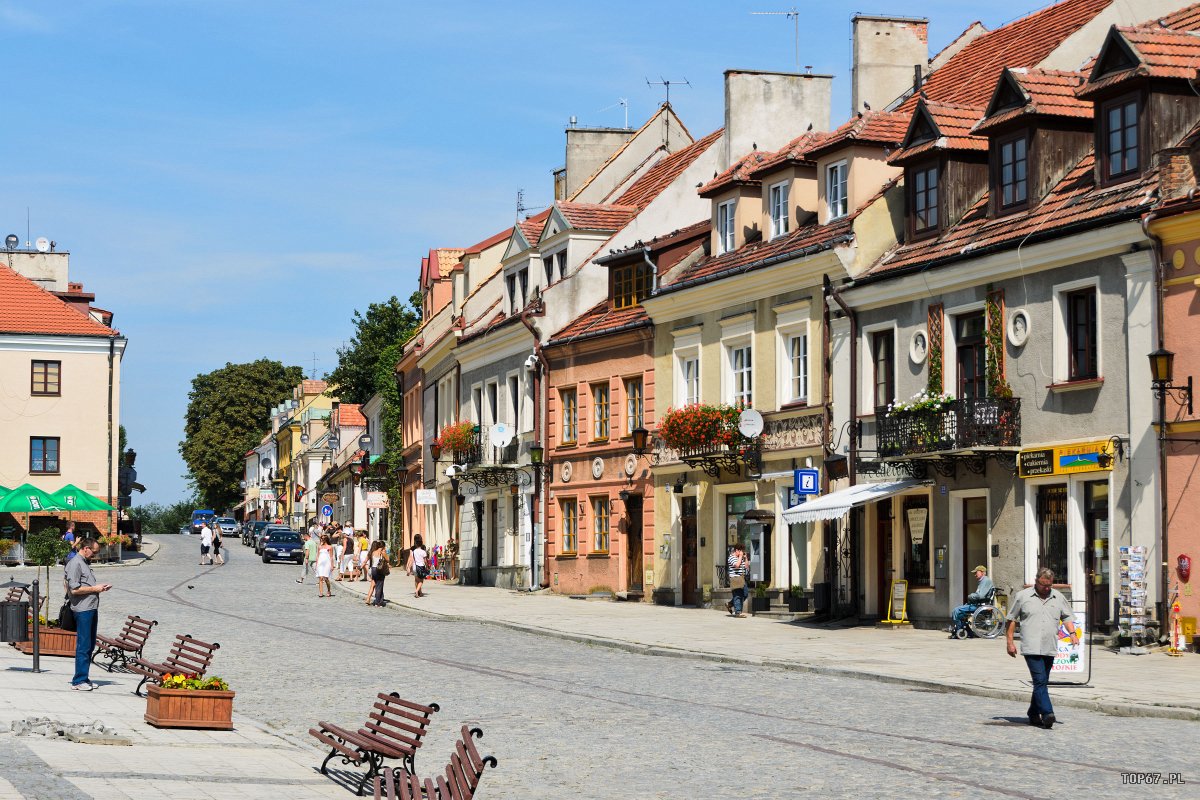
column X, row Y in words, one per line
column 302, row 420
column 1001, row 378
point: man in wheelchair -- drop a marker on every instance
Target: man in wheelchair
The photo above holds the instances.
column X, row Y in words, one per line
column 981, row 595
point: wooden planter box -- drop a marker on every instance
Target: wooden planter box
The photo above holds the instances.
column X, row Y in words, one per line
column 52, row 642
column 189, row 708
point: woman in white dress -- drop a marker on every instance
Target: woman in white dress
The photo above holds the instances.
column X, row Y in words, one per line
column 324, row 567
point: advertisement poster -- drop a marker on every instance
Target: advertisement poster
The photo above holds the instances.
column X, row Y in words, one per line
column 1071, row 658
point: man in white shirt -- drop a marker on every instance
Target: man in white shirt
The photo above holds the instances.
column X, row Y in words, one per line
column 206, row 538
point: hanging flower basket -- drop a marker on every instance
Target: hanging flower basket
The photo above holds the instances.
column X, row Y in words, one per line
column 701, row 427
column 457, row 437
column 185, row 701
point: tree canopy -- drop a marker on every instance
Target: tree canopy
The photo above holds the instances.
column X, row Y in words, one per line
column 227, row 414
column 383, row 326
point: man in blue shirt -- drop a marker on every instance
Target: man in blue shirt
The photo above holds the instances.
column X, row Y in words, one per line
column 974, row 600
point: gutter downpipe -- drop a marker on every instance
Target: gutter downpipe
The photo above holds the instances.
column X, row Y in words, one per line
column 1159, row 298
column 112, row 349
column 832, row 292
column 541, row 395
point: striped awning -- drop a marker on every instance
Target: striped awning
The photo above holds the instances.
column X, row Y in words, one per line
column 838, row 504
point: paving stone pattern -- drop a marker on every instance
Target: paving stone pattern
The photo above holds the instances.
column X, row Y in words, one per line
column 573, row 719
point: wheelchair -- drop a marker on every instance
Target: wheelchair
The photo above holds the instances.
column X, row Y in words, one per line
column 987, row 620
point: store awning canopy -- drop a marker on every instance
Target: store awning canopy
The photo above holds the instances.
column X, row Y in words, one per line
column 72, row 498
column 838, row 504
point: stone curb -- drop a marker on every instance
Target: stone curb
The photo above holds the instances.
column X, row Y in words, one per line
column 1111, row 708
column 149, row 550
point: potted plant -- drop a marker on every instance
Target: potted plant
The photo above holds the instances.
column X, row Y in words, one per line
column 703, row 427
column 188, row 701
column 52, row 640
column 760, row 601
column 458, row 438
column 797, row 599
column 6, row 547
column 111, row 544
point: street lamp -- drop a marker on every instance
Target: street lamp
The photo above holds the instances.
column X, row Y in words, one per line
column 435, row 450
column 364, row 441
column 640, row 436
column 536, row 454
column 304, row 438
column 1162, row 372
column 356, row 469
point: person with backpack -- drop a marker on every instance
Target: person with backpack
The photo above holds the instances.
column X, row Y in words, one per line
column 418, row 564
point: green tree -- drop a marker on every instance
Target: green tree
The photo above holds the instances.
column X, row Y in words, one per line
column 227, row 414
column 124, row 440
column 46, row 548
column 158, row 518
column 383, row 326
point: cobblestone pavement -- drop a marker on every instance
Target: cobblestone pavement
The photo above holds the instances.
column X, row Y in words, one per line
column 571, row 718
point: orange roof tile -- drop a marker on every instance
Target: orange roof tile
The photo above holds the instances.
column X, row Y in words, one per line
column 447, row 259
column 491, row 241
column 596, row 217
column 1048, row 93
column 1158, row 52
column 601, row 319
column 737, row 174
column 349, row 415
column 313, row 387
column 26, row 307
column 794, row 152
column 662, row 174
column 877, row 127
column 531, row 228
column 1185, row 19
column 952, row 126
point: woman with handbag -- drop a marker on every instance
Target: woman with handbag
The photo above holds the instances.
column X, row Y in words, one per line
column 738, row 565
column 380, row 569
column 418, row 564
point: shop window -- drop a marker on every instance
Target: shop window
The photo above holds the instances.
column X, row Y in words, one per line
column 1052, row 529
column 917, row 542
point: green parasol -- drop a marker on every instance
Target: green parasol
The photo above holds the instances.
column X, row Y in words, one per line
column 72, row 498
column 26, row 499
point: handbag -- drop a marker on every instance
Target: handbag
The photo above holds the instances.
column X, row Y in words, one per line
column 385, row 568
column 66, row 617
column 737, row 582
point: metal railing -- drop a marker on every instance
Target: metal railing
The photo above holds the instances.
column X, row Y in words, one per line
column 958, row 425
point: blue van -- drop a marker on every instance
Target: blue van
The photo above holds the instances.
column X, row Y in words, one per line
column 201, row 516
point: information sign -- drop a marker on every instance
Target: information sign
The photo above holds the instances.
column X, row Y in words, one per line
column 806, row 481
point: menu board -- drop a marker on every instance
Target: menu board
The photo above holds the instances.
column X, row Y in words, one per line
column 1131, row 616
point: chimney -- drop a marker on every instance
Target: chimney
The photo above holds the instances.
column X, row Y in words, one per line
column 769, row 109
column 885, row 51
column 587, row 150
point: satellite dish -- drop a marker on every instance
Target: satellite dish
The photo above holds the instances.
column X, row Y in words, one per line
column 11, row 241
column 750, row 423
column 42, row 244
column 500, row 435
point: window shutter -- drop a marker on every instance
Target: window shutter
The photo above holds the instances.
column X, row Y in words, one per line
column 936, row 316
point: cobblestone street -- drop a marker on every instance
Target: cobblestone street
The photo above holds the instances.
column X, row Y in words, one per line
column 594, row 722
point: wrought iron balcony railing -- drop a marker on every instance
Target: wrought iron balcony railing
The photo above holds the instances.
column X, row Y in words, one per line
column 480, row 452
column 959, row 425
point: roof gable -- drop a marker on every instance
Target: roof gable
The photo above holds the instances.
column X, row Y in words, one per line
column 1007, row 95
column 1115, row 56
column 26, row 307
column 1143, row 51
column 526, row 234
column 1047, row 93
column 950, row 126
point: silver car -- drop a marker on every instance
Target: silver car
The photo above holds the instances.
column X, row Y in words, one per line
column 228, row 525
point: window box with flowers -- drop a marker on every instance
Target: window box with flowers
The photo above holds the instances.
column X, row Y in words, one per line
column 707, row 436
column 461, row 440
column 925, row 423
column 188, row 701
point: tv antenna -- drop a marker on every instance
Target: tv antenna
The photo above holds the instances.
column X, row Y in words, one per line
column 314, row 371
column 794, row 15
column 668, row 84
column 624, row 103
column 522, row 208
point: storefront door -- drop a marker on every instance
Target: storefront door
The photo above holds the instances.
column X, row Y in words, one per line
column 1052, row 530
column 493, row 523
column 687, row 531
column 974, row 540
column 633, row 542
column 1097, row 554
column 885, row 554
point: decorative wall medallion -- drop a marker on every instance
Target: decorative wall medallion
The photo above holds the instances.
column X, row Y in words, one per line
column 1018, row 327
column 565, row 471
column 1178, row 260
column 630, row 464
column 918, row 346
column 597, row 467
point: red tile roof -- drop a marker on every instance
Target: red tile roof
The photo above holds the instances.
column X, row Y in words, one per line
column 737, row 174
column 662, row 174
column 349, row 415
column 1160, row 52
column 600, row 319
column 491, row 241
column 876, row 127
column 1185, row 19
column 313, row 387
column 969, row 77
column 1046, row 93
column 1073, row 202
column 26, row 307
column 531, row 228
column 952, row 126
column 596, row 217
column 794, row 152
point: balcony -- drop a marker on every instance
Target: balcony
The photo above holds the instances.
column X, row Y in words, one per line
column 989, row 423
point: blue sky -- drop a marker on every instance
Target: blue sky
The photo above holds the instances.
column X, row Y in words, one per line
column 234, row 178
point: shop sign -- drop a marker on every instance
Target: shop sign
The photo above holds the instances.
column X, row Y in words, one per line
column 377, row 500
column 1066, row 460
column 1071, row 655
column 426, row 497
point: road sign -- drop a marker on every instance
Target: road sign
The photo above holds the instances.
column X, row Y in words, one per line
column 326, row 510
column 806, row 481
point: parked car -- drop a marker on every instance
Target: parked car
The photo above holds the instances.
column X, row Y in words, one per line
column 281, row 543
column 252, row 529
column 261, row 537
column 185, row 530
column 228, row 526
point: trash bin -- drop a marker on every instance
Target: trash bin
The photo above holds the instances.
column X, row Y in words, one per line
column 14, row 621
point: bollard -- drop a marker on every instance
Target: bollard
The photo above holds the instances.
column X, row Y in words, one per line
column 37, row 650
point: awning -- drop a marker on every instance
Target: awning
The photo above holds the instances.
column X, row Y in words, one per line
column 241, row 504
column 838, row 504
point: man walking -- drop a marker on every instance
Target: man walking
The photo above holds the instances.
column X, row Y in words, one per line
column 206, row 540
column 1040, row 610
column 310, row 554
column 974, row 599
column 84, row 594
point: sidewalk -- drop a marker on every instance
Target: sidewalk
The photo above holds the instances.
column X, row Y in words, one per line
column 247, row 762
column 1155, row 685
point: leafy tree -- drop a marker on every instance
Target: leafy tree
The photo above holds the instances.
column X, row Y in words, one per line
column 45, row 548
column 124, row 440
column 383, row 326
column 158, row 518
column 228, row 412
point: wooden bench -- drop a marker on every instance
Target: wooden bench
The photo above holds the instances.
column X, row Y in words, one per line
column 125, row 646
column 15, row 594
column 459, row 782
column 188, row 656
column 394, row 730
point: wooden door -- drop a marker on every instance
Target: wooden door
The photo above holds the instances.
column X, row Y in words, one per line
column 689, row 553
column 884, row 554
column 633, row 542
column 493, row 554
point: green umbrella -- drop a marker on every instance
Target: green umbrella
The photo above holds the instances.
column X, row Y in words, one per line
column 72, row 498
column 26, row 499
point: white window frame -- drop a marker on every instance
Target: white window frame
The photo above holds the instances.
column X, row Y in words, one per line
column 727, row 226
column 867, row 377
column 790, row 322
column 477, row 403
column 779, row 208
column 837, row 176
column 491, row 402
column 512, row 392
column 445, row 410
column 1061, row 342
column 687, row 348
column 950, row 343
column 627, row 423
column 737, row 333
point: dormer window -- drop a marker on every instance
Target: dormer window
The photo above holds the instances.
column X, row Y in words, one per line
column 726, row 226
column 836, row 189
column 518, row 289
column 779, row 209
column 924, row 198
column 630, row 285
column 1120, row 137
column 1012, row 185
